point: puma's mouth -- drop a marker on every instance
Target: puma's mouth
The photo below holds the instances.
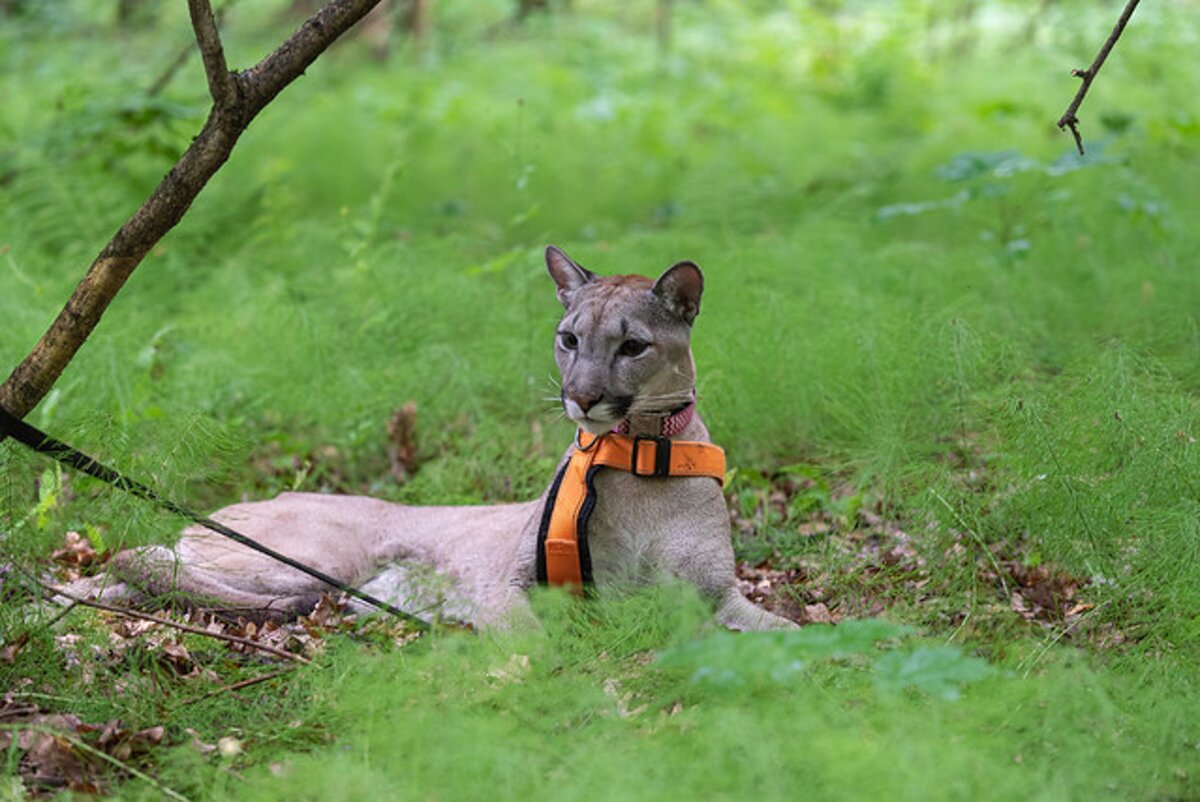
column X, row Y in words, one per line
column 612, row 414
column 595, row 426
column 594, row 421
column 600, row 417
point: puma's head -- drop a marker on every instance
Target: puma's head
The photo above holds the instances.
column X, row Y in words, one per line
column 624, row 344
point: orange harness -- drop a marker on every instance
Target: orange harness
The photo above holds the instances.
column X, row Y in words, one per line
column 562, row 554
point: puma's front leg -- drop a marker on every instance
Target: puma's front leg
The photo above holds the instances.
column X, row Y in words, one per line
column 704, row 558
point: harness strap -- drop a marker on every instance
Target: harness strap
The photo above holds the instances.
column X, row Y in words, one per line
column 563, row 557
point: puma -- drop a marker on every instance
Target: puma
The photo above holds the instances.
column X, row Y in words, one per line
column 623, row 350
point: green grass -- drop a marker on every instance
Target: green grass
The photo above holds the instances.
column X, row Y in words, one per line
column 578, row 710
column 912, row 287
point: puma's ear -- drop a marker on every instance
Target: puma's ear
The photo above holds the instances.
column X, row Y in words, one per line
column 680, row 289
column 566, row 274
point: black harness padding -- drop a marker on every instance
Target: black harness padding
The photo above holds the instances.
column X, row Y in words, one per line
column 581, row 526
column 544, row 526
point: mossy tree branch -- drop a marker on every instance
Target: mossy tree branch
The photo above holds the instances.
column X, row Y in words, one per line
column 238, row 97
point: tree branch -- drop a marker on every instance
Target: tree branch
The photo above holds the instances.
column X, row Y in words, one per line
column 1069, row 120
column 286, row 63
column 253, row 90
column 221, row 83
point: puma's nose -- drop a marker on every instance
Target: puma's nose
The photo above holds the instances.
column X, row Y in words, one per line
column 585, row 402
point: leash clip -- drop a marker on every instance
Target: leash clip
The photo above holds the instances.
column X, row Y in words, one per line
column 662, row 456
column 579, row 441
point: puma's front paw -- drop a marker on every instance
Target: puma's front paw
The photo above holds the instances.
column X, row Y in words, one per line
column 737, row 612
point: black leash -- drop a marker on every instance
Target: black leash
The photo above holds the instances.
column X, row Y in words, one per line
column 43, row 443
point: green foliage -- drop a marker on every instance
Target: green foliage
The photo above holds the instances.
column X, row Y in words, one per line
column 729, row 660
column 508, row 715
column 919, row 303
column 938, row 671
column 732, row 659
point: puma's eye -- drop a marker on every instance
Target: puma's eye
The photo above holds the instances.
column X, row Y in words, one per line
column 633, row 348
column 568, row 340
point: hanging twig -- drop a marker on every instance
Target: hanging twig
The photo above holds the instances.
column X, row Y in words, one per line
column 1069, row 120
column 166, row 622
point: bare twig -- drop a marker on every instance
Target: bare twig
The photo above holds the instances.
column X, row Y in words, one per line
column 65, row 612
column 221, row 83
column 252, row 90
column 18, row 711
column 1069, row 120
column 168, row 74
column 175, row 624
column 246, row 683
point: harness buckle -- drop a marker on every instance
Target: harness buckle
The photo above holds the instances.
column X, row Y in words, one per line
column 662, row 456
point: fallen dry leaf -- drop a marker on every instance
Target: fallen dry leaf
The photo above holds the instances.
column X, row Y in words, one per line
column 612, row 689
column 46, row 746
column 402, row 442
column 512, row 671
column 200, row 746
column 816, row 614
column 76, row 551
column 229, row 747
column 10, row 650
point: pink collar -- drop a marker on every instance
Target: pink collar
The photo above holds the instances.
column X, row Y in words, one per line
column 670, row 425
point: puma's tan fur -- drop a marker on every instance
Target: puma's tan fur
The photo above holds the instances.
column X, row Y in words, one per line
column 623, row 349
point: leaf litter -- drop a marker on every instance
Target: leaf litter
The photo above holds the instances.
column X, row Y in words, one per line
column 58, row 750
column 846, row 555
